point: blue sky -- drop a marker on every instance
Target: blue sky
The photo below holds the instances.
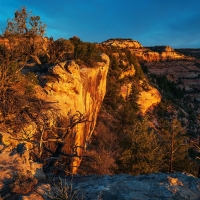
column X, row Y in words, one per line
column 151, row 22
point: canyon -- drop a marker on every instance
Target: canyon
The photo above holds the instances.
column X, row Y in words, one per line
column 73, row 87
column 180, row 66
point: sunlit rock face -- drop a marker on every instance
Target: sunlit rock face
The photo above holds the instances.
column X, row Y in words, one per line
column 123, row 43
column 130, row 71
column 157, row 53
column 127, row 87
column 126, row 90
column 79, row 89
column 16, row 162
column 148, row 99
column 150, row 56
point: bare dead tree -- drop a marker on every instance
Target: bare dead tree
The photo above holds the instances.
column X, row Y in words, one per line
column 52, row 134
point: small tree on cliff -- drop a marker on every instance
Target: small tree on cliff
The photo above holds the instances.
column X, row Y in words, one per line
column 25, row 33
column 59, row 50
column 25, row 36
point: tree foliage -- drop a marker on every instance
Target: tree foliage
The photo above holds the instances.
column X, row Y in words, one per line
column 168, row 87
column 140, row 151
column 85, row 52
column 59, row 50
column 24, row 23
column 29, row 119
column 25, row 33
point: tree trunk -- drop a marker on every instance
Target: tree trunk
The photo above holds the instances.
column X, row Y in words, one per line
column 198, row 175
column 171, row 154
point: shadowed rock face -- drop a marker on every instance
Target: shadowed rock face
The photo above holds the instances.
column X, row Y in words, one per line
column 77, row 89
column 126, row 187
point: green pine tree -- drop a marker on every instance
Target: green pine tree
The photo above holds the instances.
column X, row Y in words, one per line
column 140, row 151
column 175, row 146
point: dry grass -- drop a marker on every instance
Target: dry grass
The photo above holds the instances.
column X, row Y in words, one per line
column 61, row 190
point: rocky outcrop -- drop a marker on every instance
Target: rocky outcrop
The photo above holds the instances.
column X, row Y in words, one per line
column 126, row 187
column 123, row 43
column 161, row 53
column 148, row 96
column 126, row 90
column 149, row 54
column 127, row 87
column 148, row 99
column 74, row 88
column 15, row 162
column 70, row 89
column 130, row 71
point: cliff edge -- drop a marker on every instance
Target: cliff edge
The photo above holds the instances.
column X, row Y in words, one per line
column 77, row 89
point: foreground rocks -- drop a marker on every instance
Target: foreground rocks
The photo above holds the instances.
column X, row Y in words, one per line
column 16, row 168
column 124, row 187
column 18, row 174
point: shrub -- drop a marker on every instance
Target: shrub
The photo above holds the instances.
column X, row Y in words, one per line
column 32, row 78
column 23, row 184
column 29, row 90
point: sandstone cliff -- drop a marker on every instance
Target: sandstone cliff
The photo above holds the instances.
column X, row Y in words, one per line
column 76, row 88
column 72, row 88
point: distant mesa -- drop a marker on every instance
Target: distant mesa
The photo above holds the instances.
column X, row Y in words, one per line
column 123, row 43
column 149, row 54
